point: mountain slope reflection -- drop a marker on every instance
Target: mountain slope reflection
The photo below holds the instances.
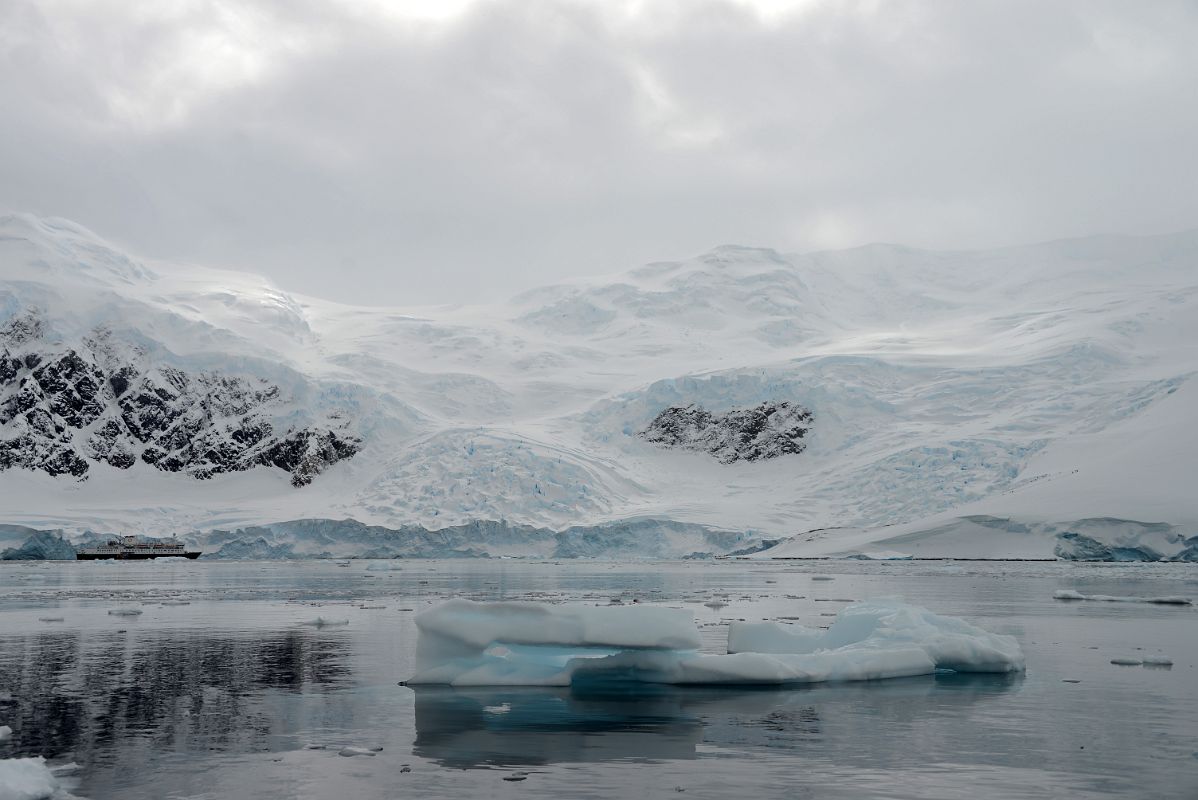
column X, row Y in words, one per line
column 95, row 696
column 505, row 727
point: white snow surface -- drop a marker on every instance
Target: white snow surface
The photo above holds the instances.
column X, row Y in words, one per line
column 465, row 643
column 969, row 404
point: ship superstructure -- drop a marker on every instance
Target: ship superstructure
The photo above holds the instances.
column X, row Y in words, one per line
column 131, row 547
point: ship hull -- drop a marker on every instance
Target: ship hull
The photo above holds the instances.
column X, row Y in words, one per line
column 132, row 556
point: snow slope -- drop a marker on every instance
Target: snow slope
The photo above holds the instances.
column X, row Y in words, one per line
column 1030, row 388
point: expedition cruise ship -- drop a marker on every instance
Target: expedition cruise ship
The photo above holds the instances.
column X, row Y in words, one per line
column 133, row 547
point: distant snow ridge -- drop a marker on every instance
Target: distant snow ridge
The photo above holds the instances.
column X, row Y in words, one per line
column 64, row 409
column 767, row 431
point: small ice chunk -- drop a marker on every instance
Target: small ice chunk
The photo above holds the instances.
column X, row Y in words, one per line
column 27, row 779
column 176, row 602
column 822, row 578
column 350, row 752
column 50, row 619
column 881, row 555
column 1070, row 594
column 5, row 733
column 325, row 622
column 124, row 612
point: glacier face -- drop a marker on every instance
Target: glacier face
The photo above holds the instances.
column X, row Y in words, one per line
column 1043, row 385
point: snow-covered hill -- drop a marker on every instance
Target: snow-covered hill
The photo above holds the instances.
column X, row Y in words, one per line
column 1029, row 388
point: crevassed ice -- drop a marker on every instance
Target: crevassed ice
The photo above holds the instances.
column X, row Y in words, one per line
column 465, row 643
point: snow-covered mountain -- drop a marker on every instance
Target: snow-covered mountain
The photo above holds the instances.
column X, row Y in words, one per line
column 941, row 403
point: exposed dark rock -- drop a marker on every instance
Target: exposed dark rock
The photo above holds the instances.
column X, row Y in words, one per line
column 9, row 367
column 767, row 431
column 307, row 453
column 62, row 410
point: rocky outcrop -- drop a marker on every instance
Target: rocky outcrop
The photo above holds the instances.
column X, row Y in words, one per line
column 767, row 431
column 64, row 409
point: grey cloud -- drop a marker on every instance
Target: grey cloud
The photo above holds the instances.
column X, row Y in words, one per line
column 356, row 156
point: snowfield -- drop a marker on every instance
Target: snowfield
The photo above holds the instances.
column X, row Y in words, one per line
column 1028, row 402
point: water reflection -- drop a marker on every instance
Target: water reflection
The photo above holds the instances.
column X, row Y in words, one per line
column 509, row 727
column 524, row 727
column 82, row 695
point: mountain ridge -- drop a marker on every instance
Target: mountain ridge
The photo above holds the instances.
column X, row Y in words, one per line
column 937, row 380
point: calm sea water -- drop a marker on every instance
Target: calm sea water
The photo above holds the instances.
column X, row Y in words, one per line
column 232, row 696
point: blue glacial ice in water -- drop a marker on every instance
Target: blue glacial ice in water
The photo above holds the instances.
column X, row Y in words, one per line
column 468, row 643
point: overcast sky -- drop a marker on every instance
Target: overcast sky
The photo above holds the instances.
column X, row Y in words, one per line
column 392, row 152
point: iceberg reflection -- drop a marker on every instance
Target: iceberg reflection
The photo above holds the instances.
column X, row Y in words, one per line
column 537, row 726
column 467, row 728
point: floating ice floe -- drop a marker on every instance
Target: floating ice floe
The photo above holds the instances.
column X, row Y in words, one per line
column 881, row 555
column 1069, row 594
column 465, row 643
column 1146, row 661
column 384, row 566
column 124, row 612
column 349, row 752
column 5, row 733
column 27, row 779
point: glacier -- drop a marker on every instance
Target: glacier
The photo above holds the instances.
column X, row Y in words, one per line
column 1031, row 402
column 469, row 643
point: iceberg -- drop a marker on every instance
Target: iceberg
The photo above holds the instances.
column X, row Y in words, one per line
column 467, row 643
column 881, row 555
column 1070, row 594
column 886, row 627
column 27, row 779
